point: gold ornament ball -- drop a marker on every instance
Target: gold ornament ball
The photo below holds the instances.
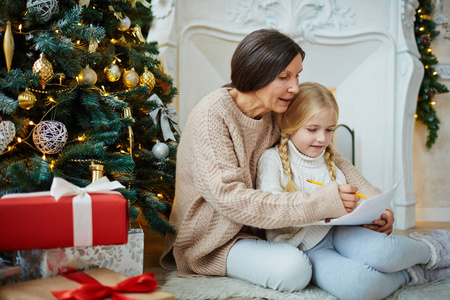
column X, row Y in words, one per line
column 87, row 76
column 113, row 72
column 130, row 78
column 26, row 99
column 44, row 69
column 148, row 79
column 125, row 24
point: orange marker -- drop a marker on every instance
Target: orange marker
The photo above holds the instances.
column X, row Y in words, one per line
column 320, row 183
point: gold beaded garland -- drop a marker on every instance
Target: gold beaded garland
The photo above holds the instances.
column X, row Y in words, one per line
column 26, row 99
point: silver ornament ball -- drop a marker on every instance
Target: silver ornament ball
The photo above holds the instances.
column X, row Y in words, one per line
column 87, row 76
column 113, row 72
column 125, row 24
column 160, row 150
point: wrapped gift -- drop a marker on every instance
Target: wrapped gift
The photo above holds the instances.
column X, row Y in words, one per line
column 126, row 259
column 93, row 284
column 66, row 216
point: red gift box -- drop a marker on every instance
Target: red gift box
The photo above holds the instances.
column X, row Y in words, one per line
column 41, row 222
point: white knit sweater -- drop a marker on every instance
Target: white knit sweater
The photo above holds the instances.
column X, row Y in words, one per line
column 271, row 178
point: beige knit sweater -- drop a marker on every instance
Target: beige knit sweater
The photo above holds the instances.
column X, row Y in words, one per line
column 215, row 200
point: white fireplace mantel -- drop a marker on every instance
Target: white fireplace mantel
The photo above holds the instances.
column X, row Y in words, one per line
column 363, row 49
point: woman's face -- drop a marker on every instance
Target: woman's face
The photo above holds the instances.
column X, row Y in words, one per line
column 277, row 95
column 313, row 137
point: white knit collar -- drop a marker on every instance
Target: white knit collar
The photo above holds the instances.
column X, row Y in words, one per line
column 298, row 158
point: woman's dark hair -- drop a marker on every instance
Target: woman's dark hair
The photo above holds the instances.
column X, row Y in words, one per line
column 260, row 57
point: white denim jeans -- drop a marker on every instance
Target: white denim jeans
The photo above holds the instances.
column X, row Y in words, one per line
column 274, row 265
column 353, row 262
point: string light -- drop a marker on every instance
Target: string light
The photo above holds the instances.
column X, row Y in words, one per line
column 20, row 28
column 43, row 157
column 432, row 103
column 31, row 123
column 422, row 28
column 81, row 138
column 434, row 73
column 19, row 140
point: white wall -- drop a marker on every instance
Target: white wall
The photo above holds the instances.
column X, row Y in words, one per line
column 432, row 167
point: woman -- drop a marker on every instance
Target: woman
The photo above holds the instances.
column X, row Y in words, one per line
column 218, row 214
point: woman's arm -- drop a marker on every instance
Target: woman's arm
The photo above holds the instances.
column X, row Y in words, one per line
column 221, row 179
column 386, row 221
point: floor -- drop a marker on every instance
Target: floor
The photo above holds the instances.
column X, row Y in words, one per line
column 154, row 244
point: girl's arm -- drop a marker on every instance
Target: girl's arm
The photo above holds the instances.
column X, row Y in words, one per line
column 225, row 184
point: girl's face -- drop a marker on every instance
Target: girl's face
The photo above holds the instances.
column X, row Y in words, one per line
column 277, row 95
column 313, row 137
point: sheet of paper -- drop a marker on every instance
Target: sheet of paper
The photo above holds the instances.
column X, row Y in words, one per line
column 367, row 211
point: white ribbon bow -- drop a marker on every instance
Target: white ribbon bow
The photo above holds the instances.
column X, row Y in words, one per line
column 168, row 116
column 82, row 204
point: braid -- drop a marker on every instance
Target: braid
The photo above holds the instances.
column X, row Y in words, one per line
column 284, row 155
column 329, row 160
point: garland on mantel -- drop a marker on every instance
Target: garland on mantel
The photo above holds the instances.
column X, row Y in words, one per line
column 425, row 32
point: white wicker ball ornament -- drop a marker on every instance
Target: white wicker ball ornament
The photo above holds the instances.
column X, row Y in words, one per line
column 7, row 133
column 50, row 136
column 160, row 150
column 45, row 8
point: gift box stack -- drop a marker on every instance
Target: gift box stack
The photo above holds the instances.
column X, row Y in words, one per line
column 69, row 230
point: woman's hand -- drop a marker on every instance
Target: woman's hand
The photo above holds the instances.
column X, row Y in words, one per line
column 384, row 224
column 348, row 197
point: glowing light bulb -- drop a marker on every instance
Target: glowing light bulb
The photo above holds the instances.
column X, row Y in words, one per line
column 432, row 103
column 19, row 140
column 421, row 28
column 43, row 157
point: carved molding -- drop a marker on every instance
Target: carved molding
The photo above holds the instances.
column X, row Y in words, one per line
column 441, row 19
column 162, row 8
column 409, row 12
column 443, row 70
column 297, row 18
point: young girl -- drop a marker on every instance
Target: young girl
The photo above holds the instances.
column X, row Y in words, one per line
column 350, row 262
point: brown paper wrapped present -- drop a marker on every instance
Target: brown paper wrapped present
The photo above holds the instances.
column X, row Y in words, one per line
column 41, row 289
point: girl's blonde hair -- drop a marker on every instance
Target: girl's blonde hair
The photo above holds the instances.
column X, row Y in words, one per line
column 311, row 99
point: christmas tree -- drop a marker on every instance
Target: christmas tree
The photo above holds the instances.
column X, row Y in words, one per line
column 81, row 92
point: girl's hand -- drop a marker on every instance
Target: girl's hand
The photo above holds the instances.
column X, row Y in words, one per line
column 384, row 224
column 348, row 197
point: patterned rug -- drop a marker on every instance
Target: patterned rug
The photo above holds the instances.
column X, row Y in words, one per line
column 221, row 288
